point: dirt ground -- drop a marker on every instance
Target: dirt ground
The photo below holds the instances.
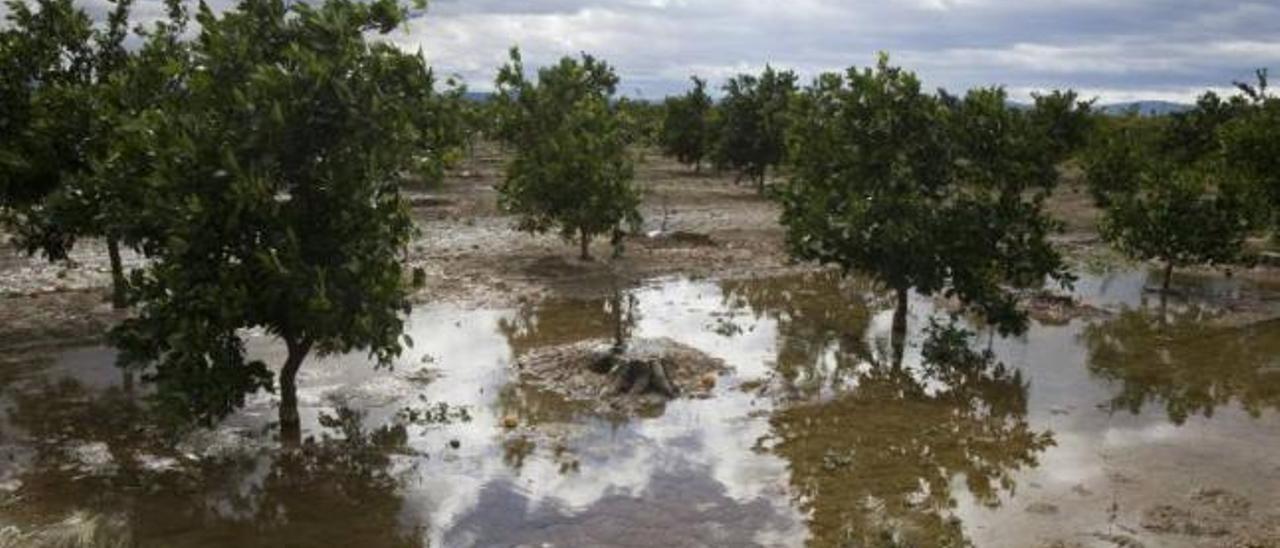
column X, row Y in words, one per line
column 695, row 224
column 468, row 248
column 709, row 227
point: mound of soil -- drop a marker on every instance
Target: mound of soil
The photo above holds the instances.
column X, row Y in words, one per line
column 644, row 374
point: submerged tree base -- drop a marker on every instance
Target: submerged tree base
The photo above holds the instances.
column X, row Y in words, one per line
column 635, row 379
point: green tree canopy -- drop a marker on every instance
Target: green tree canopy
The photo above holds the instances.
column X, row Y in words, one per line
column 65, row 83
column 274, row 200
column 753, row 120
column 642, row 120
column 928, row 192
column 1168, row 192
column 571, row 170
column 1251, row 144
column 48, row 60
column 686, row 125
column 1191, row 136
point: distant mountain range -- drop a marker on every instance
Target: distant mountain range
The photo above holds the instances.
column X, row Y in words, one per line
column 1144, row 108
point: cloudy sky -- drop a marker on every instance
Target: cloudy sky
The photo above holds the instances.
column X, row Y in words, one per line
column 1117, row 50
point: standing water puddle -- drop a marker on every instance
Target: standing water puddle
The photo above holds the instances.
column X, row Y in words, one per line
column 1129, row 424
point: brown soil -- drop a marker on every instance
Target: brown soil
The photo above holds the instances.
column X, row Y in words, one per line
column 696, row 225
column 702, row 226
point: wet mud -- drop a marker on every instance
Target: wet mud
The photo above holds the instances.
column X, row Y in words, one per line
column 1122, row 418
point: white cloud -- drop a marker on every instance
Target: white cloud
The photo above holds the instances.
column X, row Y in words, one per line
column 1137, row 48
column 1157, row 49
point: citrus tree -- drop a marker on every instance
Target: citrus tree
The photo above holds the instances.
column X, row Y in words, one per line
column 448, row 129
column 686, row 125
column 752, row 126
column 47, row 61
column 571, row 170
column 274, row 201
column 1251, row 144
column 1169, row 194
column 59, row 98
column 642, row 120
column 924, row 192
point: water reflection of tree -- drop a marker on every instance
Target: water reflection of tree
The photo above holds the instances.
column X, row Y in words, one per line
column 1178, row 359
column 549, row 323
column 874, row 466
column 817, row 314
column 534, row 405
column 54, row 416
column 339, row 490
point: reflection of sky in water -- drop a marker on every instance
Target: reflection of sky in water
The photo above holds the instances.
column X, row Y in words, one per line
column 1132, row 288
column 471, row 495
column 695, row 474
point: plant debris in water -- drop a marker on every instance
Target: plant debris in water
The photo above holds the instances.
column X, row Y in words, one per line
column 642, row 374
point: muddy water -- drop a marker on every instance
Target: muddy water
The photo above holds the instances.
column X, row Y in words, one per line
column 1147, row 423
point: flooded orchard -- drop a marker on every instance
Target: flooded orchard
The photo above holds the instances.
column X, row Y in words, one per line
column 486, row 274
column 1120, row 421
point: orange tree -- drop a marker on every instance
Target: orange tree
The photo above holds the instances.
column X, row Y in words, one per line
column 274, row 200
column 752, row 123
column 924, row 192
column 1172, row 193
column 60, row 83
column 686, row 125
column 571, row 170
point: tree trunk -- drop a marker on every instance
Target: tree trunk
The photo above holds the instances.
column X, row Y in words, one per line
column 618, row 243
column 898, row 338
column 584, row 244
column 118, row 299
column 697, row 166
column 619, row 337
column 290, row 424
column 1168, row 275
column 900, row 312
